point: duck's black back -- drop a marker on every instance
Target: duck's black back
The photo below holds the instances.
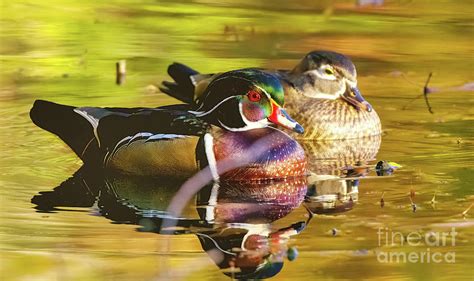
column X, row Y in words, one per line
column 93, row 132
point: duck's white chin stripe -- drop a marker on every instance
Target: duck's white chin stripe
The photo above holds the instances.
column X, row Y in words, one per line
column 254, row 125
column 249, row 125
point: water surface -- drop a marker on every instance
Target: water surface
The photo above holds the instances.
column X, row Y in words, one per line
column 66, row 52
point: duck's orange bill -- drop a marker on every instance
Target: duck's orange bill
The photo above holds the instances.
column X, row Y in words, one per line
column 280, row 117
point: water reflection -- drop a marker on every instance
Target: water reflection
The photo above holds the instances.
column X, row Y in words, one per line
column 336, row 168
column 332, row 195
column 232, row 221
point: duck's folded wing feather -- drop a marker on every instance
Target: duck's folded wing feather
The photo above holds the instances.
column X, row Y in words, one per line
column 149, row 141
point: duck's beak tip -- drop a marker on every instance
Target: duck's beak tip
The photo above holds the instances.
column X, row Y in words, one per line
column 280, row 117
column 367, row 106
column 355, row 98
column 299, row 129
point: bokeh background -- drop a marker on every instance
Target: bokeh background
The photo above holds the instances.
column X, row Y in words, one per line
column 65, row 51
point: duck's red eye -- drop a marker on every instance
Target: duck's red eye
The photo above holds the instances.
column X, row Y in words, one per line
column 254, row 96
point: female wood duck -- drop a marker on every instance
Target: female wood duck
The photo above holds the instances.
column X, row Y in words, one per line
column 171, row 141
column 321, row 92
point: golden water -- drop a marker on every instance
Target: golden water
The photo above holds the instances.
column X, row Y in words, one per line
column 66, row 52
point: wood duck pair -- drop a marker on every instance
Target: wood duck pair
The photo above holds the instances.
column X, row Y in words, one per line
column 320, row 92
column 226, row 130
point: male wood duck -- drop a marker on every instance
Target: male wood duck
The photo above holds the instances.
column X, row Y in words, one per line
column 320, row 92
column 230, row 121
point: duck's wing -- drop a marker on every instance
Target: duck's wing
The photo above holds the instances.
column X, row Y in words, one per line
column 94, row 133
column 152, row 142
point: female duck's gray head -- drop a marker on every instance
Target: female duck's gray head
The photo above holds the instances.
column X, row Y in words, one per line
column 245, row 99
column 328, row 75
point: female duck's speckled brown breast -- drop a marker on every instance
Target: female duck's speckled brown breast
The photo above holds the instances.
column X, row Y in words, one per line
column 329, row 157
column 331, row 119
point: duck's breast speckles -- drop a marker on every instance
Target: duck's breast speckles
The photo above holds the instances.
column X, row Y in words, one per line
column 259, row 201
column 332, row 119
column 273, row 154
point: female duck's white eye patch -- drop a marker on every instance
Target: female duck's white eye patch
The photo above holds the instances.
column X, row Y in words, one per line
column 327, row 72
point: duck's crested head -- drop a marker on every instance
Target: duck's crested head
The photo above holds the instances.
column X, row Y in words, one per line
column 322, row 59
column 328, row 75
column 245, row 99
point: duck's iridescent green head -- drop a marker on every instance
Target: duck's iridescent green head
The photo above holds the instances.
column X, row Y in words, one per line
column 245, row 99
column 329, row 75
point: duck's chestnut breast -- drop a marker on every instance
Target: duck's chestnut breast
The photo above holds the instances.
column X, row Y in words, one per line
column 258, row 154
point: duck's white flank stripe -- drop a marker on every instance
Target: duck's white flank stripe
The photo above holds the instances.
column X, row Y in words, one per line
column 212, row 203
column 211, row 158
column 165, row 136
column 139, row 135
column 109, row 156
column 129, row 139
column 94, row 122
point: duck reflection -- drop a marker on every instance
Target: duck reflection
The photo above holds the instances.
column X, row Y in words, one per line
column 337, row 168
column 332, row 195
column 233, row 222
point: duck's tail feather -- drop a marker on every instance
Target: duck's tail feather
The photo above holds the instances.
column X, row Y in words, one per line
column 71, row 127
column 183, row 87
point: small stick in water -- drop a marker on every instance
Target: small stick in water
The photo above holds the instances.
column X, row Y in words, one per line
column 426, row 91
column 120, row 72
